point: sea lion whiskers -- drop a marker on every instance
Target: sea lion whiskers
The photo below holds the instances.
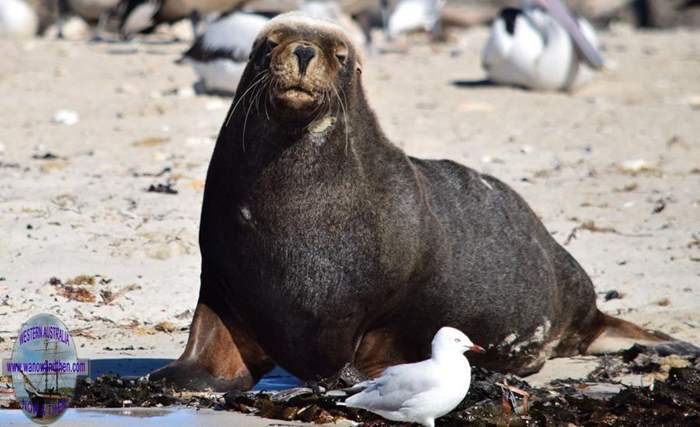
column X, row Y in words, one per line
column 322, row 108
column 245, row 123
column 319, row 111
column 259, row 91
column 344, row 100
column 345, row 115
column 259, row 77
column 262, row 84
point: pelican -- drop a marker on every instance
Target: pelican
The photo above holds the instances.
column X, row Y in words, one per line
column 541, row 46
column 221, row 53
column 412, row 15
column 17, row 19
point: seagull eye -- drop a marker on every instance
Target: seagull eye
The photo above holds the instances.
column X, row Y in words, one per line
column 458, row 340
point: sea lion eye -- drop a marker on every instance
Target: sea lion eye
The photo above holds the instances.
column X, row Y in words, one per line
column 269, row 45
column 263, row 54
column 341, row 53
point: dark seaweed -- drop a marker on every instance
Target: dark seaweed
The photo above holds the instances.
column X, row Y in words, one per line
column 674, row 402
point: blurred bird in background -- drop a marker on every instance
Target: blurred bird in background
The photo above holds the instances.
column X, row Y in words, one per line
column 541, row 46
column 17, row 19
column 220, row 54
column 411, row 16
column 136, row 16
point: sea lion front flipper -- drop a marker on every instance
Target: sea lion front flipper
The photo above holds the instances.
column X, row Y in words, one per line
column 220, row 355
column 379, row 349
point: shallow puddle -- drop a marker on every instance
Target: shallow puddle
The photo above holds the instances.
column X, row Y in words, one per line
column 140, row 417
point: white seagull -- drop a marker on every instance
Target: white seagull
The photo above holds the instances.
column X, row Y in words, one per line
column 413, row 15
column 421, row 392
column 17, row 19
column 221, row 53
column 541, row 46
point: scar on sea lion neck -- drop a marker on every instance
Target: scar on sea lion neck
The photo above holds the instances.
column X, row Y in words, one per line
column 321, row 124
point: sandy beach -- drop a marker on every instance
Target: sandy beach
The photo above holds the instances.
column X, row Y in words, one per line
column 613, row 170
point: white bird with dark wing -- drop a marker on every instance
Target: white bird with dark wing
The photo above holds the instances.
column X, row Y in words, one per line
column 17, row 19
column 421, row 392
column 220, row 54
column 137, row 16
column 413, row 15
column 541, row 46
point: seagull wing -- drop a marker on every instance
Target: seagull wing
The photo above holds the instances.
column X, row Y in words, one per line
column 395, row 387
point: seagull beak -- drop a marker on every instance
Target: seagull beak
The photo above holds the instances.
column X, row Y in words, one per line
column 476, row 349
column 586, row 50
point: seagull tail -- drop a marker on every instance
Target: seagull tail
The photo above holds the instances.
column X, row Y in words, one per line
column 361, row 386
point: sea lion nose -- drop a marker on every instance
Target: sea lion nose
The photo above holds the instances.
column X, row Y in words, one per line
column 304, row 55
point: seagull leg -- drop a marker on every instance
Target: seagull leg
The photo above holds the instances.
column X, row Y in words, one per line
column 437, row 33
column 101, row 25
column 363, row 19
column 195, row 19
column 384, row 4
column 62, row 13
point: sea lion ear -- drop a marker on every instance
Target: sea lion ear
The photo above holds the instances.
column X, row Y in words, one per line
column 359, row 59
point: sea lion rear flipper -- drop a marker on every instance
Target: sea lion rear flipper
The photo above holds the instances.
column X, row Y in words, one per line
column 220, row 355
column 615, row 335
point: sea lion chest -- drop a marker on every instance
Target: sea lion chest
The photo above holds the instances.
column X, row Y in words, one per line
column 303, row 235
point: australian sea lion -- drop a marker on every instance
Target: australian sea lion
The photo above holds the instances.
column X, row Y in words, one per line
column 323, row 243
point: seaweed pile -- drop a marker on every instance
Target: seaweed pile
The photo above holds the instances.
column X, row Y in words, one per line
column 672, row 398
column 112, row 391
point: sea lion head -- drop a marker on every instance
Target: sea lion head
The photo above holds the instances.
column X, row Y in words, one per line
column 303, row 64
